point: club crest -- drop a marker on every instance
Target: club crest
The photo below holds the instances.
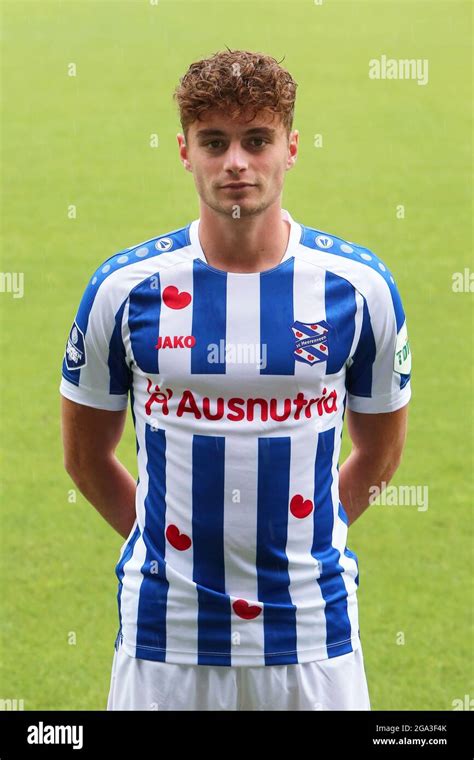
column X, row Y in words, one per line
column 311, row 344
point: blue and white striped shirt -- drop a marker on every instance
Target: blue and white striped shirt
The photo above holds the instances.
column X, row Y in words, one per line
column 238, row 385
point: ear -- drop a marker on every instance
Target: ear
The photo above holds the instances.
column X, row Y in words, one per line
column 292, row 149
column 183, row 152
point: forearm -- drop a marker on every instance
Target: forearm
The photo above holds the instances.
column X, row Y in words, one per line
column 357, row 476
column 111, row 489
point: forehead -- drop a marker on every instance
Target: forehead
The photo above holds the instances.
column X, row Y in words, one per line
column 216, row 122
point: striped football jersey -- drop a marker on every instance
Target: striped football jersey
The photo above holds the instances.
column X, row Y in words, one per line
column 238, row 385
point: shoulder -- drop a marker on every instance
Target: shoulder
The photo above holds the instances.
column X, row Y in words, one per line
column 356, row 263
column 115, row 277
column 140, row 258
column 355, row 258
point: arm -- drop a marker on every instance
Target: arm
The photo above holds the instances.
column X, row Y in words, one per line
column 378, row 388
column 377, row 445
column 90, row 437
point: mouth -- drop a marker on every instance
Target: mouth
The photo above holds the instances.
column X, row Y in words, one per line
column 236, row 186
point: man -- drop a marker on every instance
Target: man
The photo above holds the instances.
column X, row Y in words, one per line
column 241, row 338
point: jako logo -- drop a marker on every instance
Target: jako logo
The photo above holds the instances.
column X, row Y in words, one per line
column 175, row 341
column 42, row 734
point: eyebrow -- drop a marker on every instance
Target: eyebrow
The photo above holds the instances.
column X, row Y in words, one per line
column 253, row 130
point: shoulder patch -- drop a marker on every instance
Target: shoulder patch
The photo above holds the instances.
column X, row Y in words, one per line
column 75, row 355
column 402, row 358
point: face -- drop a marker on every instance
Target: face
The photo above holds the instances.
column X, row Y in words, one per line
column 238, row 163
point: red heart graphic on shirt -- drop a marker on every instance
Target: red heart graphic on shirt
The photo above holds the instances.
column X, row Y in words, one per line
column 174, row 299
column 298, row 334
column 310, row 356
column 245, row 610
column 299, row 507
column 178, row 540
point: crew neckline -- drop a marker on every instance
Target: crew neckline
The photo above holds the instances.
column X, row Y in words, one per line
column 293, row 240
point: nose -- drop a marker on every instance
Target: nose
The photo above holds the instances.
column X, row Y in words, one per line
column 235, row 159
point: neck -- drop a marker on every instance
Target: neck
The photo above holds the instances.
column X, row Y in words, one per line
column 248, row 244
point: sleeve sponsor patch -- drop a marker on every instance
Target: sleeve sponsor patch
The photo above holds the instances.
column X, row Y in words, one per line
column 402, row 358
column 75, row 355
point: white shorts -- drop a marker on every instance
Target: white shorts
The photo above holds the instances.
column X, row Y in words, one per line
column 338, row 683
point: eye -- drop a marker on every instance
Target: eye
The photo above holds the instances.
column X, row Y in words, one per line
column 259, row 139
column 213, row 143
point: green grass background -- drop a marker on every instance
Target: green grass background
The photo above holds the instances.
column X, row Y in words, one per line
column 85, row 141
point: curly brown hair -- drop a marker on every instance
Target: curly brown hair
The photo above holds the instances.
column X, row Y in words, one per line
column 236, row 82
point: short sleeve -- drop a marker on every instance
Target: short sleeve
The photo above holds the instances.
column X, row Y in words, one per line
column 95, row 370
column 379, row 370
